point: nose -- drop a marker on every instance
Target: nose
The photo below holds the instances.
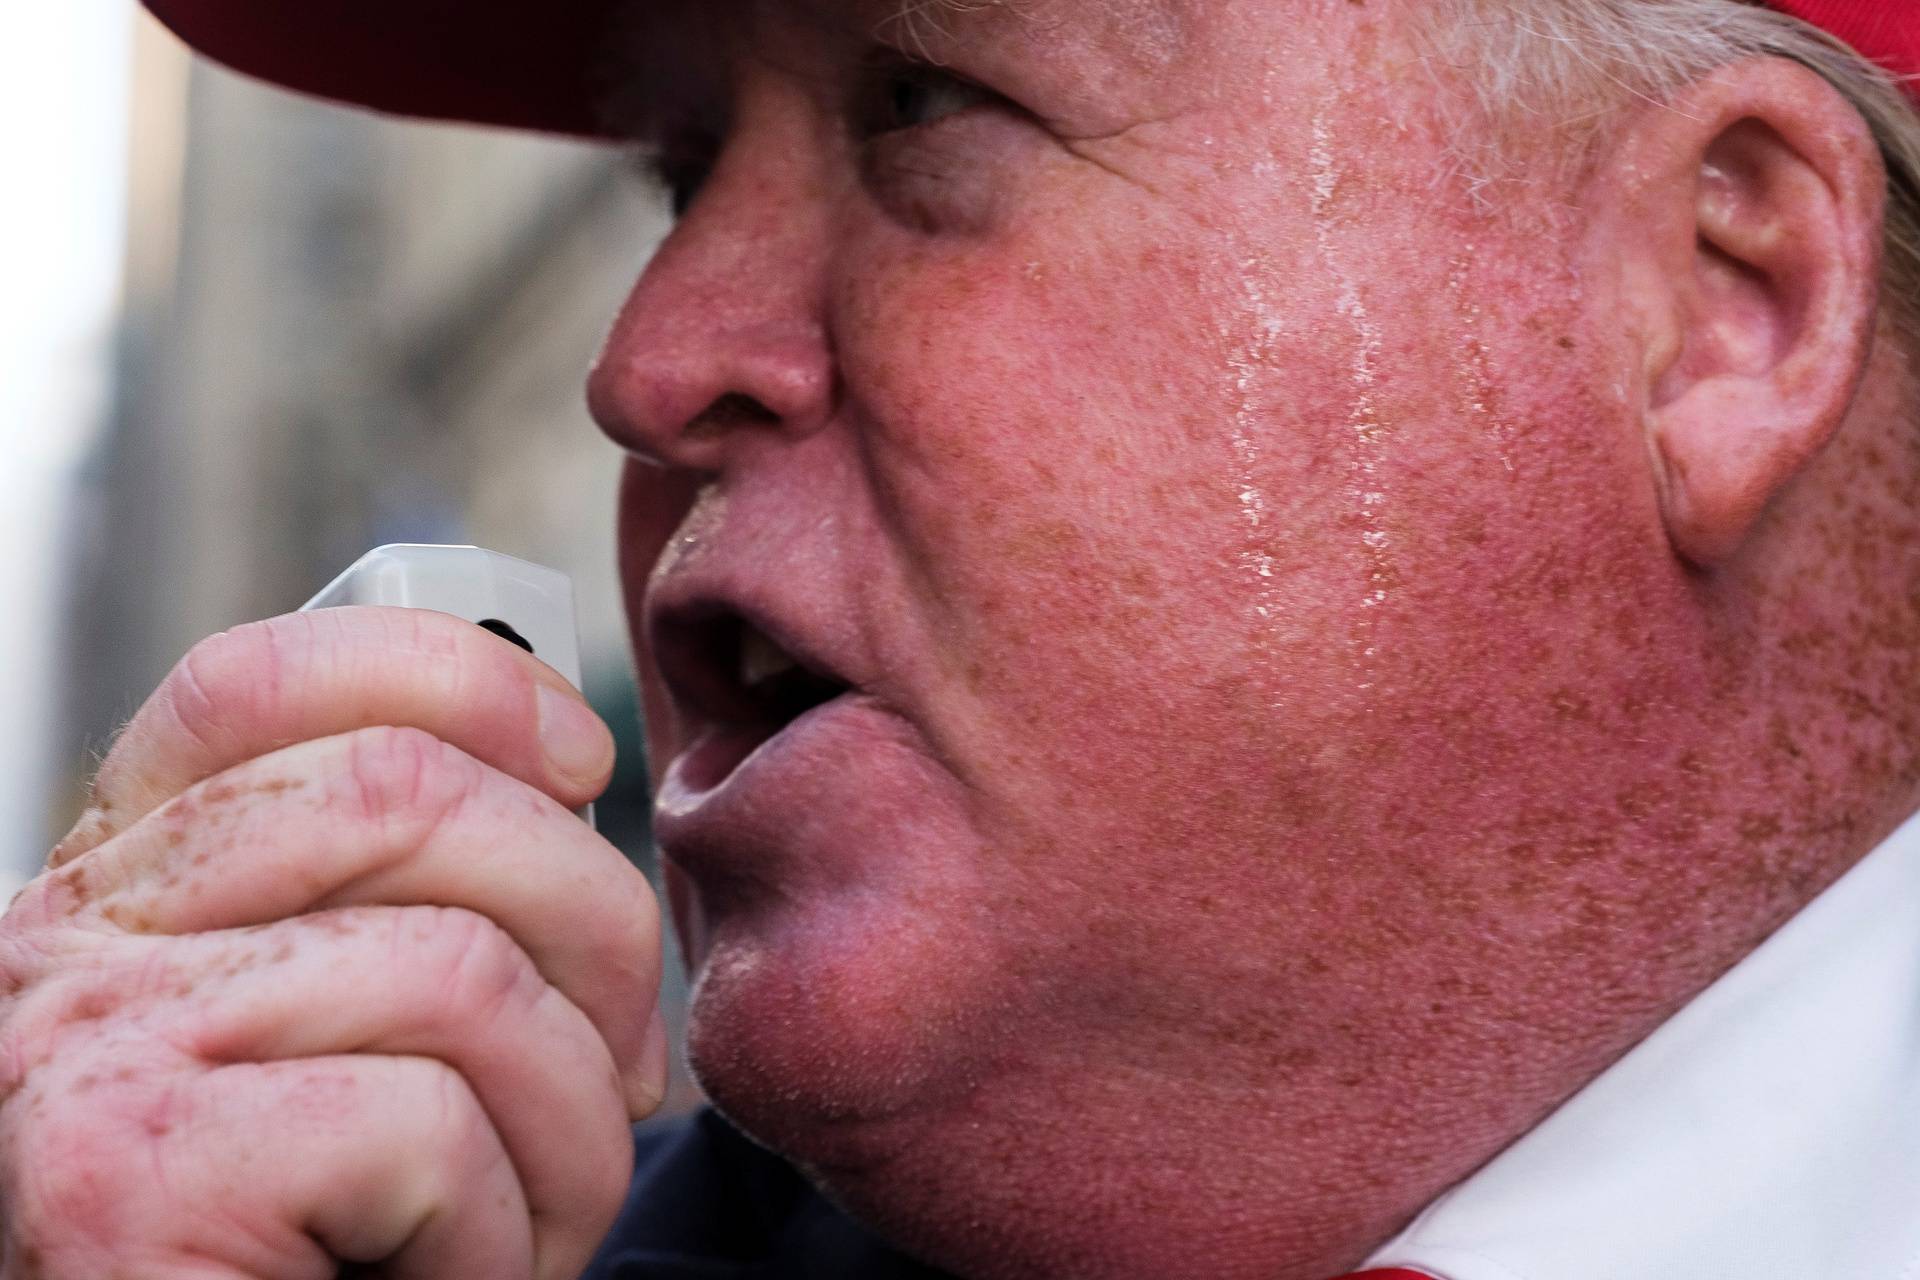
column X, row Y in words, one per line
column 724, row 335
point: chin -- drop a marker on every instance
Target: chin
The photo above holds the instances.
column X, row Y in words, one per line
column 832, row 1031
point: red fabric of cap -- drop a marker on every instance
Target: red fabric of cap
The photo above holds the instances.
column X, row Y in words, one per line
column 513, row 62
column 536, row 63
column 1887, row 31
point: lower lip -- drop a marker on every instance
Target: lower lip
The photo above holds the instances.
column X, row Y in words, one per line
column 794, row 802
column 725, row 759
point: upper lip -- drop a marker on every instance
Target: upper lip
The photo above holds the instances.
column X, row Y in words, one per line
column 695, row 632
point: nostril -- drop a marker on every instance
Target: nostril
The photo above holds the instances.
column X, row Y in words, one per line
column 728, row 412
column 687, row 367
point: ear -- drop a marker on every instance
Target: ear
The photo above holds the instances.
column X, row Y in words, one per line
column 1750, row 243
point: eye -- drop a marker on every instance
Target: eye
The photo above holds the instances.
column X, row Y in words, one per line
column 911, row 96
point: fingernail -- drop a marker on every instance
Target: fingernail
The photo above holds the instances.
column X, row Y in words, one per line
column 576, row 742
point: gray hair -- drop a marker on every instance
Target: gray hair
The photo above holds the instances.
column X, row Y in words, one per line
column 1558, row 69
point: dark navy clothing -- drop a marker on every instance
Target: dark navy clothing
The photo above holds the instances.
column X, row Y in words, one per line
column 706, row 1204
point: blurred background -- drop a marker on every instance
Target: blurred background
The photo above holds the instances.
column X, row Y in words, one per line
column 250, row 336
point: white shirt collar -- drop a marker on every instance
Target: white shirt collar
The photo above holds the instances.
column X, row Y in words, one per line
column 1769, row 1130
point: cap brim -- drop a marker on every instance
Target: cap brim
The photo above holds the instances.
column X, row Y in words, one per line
column 505, row 62
column 537, row 64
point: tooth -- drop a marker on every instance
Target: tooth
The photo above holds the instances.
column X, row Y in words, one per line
column 761, row 659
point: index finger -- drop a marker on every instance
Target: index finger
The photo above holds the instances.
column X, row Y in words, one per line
column 302, row 676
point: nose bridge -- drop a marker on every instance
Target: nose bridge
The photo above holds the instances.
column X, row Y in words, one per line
column 724, row 331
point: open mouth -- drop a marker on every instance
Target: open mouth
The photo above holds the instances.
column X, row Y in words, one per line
column 736, row 687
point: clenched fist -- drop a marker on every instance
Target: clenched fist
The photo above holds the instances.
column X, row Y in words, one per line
column 329, row 973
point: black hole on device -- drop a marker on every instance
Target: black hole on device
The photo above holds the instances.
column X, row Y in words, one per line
column 506, row 632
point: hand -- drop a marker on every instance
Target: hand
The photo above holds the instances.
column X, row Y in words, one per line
column 328, row 973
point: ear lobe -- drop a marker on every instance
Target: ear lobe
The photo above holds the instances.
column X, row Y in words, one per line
column 1761, row 194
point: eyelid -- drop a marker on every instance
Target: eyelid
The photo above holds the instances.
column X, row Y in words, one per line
column 904, row 64
column 880, row 64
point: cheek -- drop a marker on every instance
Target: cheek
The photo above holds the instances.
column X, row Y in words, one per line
column 1053, row 427
column 1019, row 417
column 1208, row 535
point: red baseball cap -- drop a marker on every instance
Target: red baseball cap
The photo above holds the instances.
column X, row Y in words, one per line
column 538, row 65
column 533, row 64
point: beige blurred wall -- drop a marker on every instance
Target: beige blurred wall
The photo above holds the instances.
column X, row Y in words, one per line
column 343, row 328
column 340, row 331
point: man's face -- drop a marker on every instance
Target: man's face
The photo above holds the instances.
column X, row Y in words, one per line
column 1236, row 554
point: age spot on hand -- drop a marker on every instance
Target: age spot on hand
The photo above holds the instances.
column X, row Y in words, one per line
column 125, row 917
column 77, row 880
column 226, row 793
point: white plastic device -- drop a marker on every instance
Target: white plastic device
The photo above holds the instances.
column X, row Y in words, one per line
column 526, row 603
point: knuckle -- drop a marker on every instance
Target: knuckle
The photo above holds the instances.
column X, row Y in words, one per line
column 458, row 1120
column 14, row 1058
column 237, row 674
column 465, row 666
column 441, row 639
column 481, row 972
column 75, row 1004
column 59, row 1025
column 22, row 957
column 463, row 1143
column 51, row 1020
column 441, row 651
column 459, row 652
column 43, row 900
column 58, row 894
column 397, row 774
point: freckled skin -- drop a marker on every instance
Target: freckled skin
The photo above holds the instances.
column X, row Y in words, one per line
column 1210, row 920
column 328, row 971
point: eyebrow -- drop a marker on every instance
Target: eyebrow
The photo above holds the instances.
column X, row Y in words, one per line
column 910, row 22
